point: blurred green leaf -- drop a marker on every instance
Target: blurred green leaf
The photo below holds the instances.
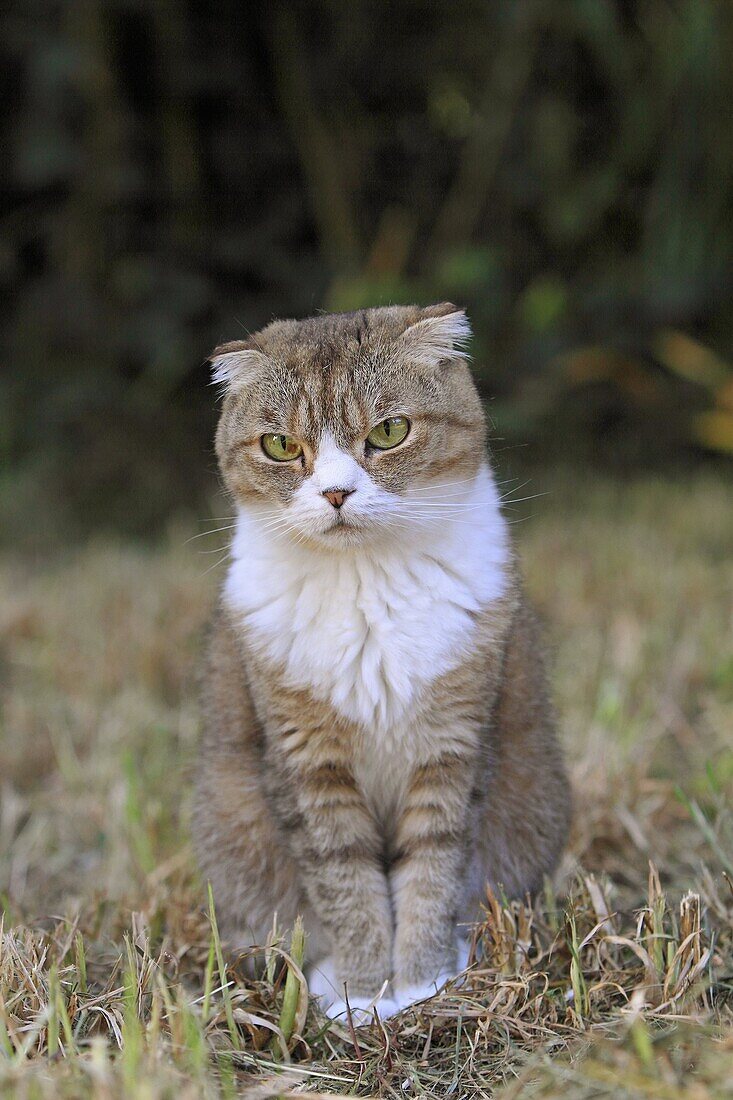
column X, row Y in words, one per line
column 543, row 304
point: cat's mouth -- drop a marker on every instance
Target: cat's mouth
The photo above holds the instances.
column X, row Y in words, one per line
column 344, row 529
column 341, row 523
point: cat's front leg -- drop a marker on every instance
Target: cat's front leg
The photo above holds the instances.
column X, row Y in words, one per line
column 337, row 851
column 426, row 874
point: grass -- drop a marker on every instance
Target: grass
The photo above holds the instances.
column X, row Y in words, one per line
column 617, row 982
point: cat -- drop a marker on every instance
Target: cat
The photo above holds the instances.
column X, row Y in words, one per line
column 379, row 743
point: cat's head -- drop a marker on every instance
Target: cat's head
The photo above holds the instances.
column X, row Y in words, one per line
column 334, row 428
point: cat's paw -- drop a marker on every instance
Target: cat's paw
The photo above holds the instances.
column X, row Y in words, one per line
column 407, row 995
column 322, row 981
column 464, row 952
column 410, row 994
column 362, row 1009
column 323, row 984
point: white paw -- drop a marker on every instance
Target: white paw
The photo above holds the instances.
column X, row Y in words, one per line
column 410, row 994
column 323, row 984
column 362, row 1009
column 464, row 951
column 386, row 1007
column 322, row 981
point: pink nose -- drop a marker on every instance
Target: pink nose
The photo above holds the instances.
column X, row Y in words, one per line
column 337, row 496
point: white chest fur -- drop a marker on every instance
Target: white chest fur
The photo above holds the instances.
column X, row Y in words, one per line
column 366, row 628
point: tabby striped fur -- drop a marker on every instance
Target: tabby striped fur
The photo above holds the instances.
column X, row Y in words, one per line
column 378, row 740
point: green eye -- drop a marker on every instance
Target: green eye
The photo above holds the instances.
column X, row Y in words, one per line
column 389, row 433
column 281, row 447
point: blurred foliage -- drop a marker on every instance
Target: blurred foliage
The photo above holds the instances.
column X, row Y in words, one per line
column 176, row 173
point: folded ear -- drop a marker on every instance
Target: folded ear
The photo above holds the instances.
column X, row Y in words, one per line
column 234, row 365
column 441, row 333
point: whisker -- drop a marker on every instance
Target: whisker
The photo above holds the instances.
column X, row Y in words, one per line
column 275, row 513
column 422, row 517
column 442, row 485
column 451, row 509
column 438, row 504
column 274, row 524
column 214, row 531
column 533, row 496
column 215, row 565
column 516, row 489
column 512, row 521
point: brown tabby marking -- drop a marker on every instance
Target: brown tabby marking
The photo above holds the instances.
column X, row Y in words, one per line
column 382, row 833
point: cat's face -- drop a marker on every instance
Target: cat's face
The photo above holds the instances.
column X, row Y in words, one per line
column 344, row 428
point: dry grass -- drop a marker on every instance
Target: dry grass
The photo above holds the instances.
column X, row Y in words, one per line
column 620, row 984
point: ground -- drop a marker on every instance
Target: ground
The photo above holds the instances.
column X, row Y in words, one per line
column 617, row 982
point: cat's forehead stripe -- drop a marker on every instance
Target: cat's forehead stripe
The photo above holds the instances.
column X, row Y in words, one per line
column 326, row 399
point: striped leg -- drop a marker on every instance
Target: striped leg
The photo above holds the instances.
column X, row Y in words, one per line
column 431, row 845
column 337, row 852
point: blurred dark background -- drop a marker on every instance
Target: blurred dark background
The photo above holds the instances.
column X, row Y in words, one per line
column 178, row 173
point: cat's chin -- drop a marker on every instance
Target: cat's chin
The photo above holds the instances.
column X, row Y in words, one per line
column 346, row 529
column 347, row 533
column 343, row 534
column 342, row 538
